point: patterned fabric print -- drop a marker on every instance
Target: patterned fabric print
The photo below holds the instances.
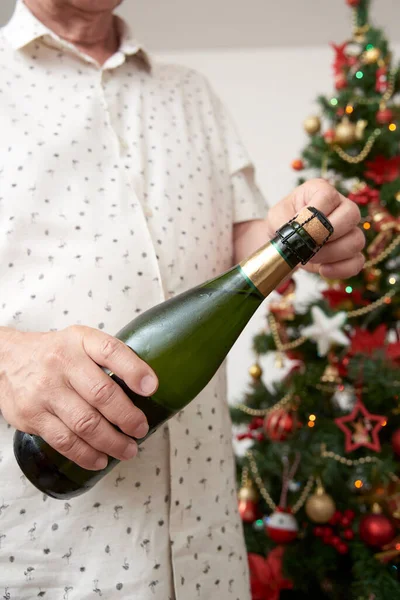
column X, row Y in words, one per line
column 119, row 187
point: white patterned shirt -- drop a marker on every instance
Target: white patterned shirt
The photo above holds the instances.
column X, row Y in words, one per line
column 119, row 187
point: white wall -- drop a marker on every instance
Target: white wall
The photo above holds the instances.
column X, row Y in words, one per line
column 269, row 92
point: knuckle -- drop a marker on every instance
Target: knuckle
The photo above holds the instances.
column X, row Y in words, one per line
column 323, row 184
column 24, row 412
column 87, row 424
column 55, row 356
column 64, row 442
column 42, row 383
column 75, row 330
column 109, row 347
column 103, row 391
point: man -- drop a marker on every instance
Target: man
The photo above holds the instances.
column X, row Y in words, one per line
column 122, row 183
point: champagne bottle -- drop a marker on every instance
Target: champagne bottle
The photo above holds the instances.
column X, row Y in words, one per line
column 184, row 340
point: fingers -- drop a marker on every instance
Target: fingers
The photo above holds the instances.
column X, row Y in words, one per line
column 345, row 218
column 319, row 194
column 346, row 247
column 339, row 270
column 110, row 352
column 103, row 394
column 67, row 443
column 91, row 427
column 342, row 212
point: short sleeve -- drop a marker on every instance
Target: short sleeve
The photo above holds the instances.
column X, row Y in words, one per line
column 248, row 201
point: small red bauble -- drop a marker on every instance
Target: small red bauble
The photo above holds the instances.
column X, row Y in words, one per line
column 348, row 534
column 282, row 527
column 340, row 81
column 353, row 2
column 376, row 530
column 335, row 541
column 384, row 116
column 256, row 423
column 329, row 136
column 248, row 511
column 345, row 522
column 319, row 531
column 278, row 425
column 396, row 442
column 335, row 518
column 349, row 514
column 342, row 548
column 327, row 535
column 297, row 164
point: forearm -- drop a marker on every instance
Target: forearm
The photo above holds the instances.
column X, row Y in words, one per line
column 249, row 236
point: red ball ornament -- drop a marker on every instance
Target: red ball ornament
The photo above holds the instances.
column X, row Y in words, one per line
column 345, row 522
column 278, row 425
column 340, row 81
column 319, row 531
column 352, row 2
column 248, row 511
column 327, row 536
column 248, row 498
column 282, row 527
column 297, row 164
column 329, row 136
column 348, row 534
column 349, row 514
column 342, row 548
column 335, row 518
column 396, row 442
column 384, row 116
column 376, row 530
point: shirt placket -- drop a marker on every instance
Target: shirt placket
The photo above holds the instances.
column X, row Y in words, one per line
column 141, row 212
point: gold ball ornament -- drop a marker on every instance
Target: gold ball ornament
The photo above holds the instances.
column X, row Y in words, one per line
column 312, row 124
column 320, row 507
column 345, row 133
column 248, row 493
column 397, row 196
column 255, row 371
column 371, row 56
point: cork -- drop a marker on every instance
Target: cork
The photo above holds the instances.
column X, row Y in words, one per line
column 314, row 227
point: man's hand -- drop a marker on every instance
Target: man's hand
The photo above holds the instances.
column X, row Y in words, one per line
column 340, row 258
column 51, row 385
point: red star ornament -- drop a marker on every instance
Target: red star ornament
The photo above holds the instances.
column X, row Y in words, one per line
column 364, row 434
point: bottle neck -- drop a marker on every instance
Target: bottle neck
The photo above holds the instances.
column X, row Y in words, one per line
column 268, row 266
column 295, row 242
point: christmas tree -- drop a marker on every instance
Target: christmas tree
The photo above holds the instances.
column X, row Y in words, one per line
column 319, row 452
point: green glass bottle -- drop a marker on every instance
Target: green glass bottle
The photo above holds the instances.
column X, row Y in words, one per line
column 184, row 340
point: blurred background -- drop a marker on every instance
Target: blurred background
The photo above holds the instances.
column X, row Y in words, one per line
column 268, row 61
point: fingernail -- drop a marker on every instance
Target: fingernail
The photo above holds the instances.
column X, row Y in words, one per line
column 141, row 430
column 131, row 450
column 148, row 384
column 101, row 463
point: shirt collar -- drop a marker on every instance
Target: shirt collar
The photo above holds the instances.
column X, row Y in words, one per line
column 23, row 28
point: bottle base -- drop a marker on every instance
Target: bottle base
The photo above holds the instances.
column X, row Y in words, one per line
column 42, row 471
